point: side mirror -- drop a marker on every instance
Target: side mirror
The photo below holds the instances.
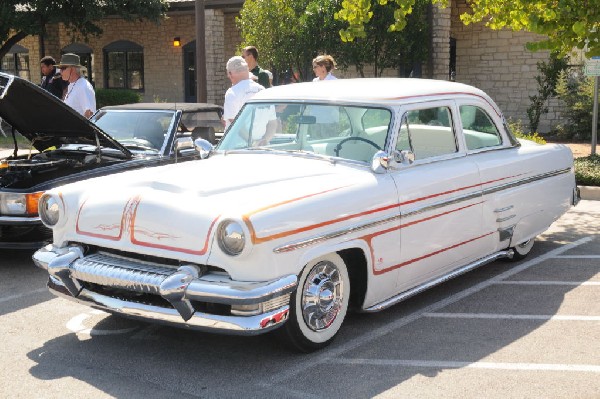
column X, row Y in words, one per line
column 184, row 143
column 204, row 148
column 380, row 162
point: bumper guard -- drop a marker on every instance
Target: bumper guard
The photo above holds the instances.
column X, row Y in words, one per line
column 69, row 270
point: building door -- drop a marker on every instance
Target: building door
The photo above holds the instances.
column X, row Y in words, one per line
column 189, row 71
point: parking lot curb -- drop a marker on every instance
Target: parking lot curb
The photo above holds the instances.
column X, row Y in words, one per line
column 589, row 193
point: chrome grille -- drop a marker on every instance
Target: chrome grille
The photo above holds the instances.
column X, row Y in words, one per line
column 118, row 272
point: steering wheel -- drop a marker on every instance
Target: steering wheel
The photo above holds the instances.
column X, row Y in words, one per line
column 339, row 146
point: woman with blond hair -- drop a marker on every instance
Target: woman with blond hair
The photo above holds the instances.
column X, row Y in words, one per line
column 322, row 67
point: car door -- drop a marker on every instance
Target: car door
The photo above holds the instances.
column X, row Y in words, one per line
column 439, row 194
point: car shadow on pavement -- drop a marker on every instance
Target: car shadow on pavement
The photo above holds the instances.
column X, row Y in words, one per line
column 157, row 361
column 21, row 283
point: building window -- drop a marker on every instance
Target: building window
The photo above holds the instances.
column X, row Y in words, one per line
column 16, row 62
column 124, row 65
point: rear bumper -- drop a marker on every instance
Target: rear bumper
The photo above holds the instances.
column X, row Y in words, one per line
column 115, row 284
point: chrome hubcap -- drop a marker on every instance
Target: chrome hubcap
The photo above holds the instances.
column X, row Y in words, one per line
column 322, row 296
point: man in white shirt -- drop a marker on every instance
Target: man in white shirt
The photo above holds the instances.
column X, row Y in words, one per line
column 80, row 94
column 242, row 88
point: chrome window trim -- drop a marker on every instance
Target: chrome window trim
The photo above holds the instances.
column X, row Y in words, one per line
column 466, row 197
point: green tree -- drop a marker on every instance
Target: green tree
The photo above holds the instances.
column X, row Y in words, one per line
column 566, row 24
column 19, row 19
column 289, row 34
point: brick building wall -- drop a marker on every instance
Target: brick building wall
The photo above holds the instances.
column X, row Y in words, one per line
column 498, row 63
column 163, row 63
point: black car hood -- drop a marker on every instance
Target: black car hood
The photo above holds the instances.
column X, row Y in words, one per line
column 45, row 120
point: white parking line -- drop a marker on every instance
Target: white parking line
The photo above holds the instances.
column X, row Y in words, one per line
column 577, row 257
column 474, row 365
column 22, row 294
column 372, row 335
column 511, row 316
column 577, row 283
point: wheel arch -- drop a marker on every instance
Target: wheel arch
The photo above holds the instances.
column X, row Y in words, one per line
column 354, row 255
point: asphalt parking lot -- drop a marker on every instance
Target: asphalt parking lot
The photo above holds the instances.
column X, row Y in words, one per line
column 507, row 330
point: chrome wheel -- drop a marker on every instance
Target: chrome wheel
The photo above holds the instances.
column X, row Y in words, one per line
column 322, row 296
column 319, row 305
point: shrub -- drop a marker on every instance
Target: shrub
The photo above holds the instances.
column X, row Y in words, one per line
column 517, row 129
column 577, row 93
column 116, row 97
column 587, row 170
column 546, row 82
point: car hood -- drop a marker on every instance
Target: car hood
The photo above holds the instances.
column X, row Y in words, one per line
column 177, row 207
column 45, row 120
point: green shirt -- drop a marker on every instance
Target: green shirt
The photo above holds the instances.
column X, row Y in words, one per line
column 263, row 78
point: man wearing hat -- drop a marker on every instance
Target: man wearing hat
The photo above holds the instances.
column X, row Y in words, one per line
column 80, row 94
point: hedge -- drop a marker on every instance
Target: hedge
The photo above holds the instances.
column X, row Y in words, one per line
column 116, row 97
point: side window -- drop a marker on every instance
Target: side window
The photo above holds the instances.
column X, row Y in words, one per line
column 427, row 133
column 480, row 130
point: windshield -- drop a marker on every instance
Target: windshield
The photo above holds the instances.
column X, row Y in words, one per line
column 136, row 130
column 349, row 132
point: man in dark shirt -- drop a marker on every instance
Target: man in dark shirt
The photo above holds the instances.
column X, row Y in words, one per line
column 51, row 79
column 250, row 55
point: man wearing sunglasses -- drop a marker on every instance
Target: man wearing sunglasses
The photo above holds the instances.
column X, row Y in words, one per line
column 80, row 94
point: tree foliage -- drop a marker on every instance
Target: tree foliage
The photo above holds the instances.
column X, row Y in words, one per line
column 19, row 19
column 546, row 83
column 289, row 34
column 567, row 24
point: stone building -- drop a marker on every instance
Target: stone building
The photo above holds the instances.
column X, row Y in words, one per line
column 142, row 56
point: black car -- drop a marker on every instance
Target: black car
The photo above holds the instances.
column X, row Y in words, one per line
column 62, row 146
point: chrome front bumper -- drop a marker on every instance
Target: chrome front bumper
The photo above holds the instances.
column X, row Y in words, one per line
column 71, row 275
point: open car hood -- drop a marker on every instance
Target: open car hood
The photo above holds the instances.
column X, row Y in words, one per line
column 45, row 120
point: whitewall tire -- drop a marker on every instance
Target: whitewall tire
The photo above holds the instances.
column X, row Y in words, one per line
column 319, row 304
column 522, row 250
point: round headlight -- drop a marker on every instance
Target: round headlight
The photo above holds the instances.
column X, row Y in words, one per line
column 231, row 238
column 49, row 208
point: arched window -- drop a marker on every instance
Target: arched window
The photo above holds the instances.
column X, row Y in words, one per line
column 16, row 62
column 124, row 65
column 85, row 55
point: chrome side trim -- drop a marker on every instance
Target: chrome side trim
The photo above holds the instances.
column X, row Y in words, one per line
column 504, row 219
column 431, row 283
column 500, row 210
column 526, row 180
column 292, row 246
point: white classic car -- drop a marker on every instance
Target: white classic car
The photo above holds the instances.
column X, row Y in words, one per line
column 321, row 197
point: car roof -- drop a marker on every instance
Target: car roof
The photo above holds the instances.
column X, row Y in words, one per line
column 378, row 90
column 184, row 107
